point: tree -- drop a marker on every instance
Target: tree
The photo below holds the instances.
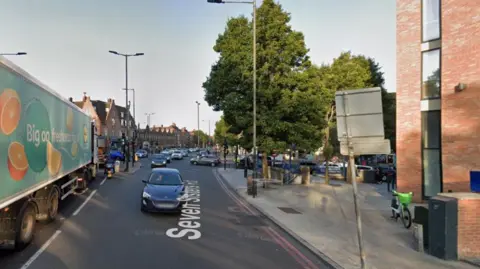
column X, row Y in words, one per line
column 346, row 72
column 203, row 137
column 222, row 132
column 290, row 94
column 388, row 102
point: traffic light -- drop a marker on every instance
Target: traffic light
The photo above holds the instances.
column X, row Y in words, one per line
column 124, row 139
column 215, row 1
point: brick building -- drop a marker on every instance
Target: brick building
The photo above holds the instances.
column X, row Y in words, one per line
column 109, row 117
column 166, row 136
column 438, row 124
column 438, row 105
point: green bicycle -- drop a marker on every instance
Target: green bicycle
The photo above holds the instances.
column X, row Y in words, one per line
column 400, row 202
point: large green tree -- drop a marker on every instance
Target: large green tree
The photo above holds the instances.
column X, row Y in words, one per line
column 348, row 72
column 290, row 94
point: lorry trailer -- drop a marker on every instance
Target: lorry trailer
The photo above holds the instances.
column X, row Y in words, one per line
column 49, row 151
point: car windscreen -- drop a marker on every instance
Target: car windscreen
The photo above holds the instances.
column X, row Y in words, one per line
column 158, row 156
column 159, row 178
column 177, row 152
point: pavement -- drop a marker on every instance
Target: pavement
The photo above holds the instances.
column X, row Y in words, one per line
column 104, row 228
column 322, row 217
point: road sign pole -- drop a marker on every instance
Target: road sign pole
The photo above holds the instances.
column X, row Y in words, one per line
column 351, row 166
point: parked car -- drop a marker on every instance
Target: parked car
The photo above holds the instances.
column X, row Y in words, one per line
column 205, row 160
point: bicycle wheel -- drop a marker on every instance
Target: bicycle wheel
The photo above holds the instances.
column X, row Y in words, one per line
column 407, row 217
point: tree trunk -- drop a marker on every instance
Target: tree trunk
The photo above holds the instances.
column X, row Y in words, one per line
column 326, row 142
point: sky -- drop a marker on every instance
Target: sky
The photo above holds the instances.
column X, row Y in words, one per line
column 68, row 42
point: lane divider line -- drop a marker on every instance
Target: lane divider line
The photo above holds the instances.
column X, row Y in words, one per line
column 84, row 203
column 103, row 181
column 275, row 236
column 41, row 250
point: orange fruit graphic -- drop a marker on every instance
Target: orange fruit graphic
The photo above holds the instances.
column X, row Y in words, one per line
column 54, row 159
column 74, row 150
column 70, row 119
column 17, row 161
column 10, row 111
column 85, row 134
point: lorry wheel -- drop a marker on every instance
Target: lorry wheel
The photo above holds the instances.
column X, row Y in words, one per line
column 85, row 179
column 53, row 201
column 25, row 226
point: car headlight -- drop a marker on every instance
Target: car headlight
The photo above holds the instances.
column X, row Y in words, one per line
column 146, row 195
column 182, row 197
column 153, row 162
column 164, row 162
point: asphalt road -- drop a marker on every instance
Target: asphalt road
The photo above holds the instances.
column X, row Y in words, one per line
column 110, row 231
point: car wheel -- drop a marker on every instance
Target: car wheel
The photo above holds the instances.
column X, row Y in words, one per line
column 194, row 163
column 213, row 165
column 143, row 209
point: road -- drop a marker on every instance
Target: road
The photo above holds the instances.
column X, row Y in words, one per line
column 109, row 231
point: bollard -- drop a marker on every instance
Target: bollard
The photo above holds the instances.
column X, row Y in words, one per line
column 305, row 175
column 249, row 185
column 254, row 188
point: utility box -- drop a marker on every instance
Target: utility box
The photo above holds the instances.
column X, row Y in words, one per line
column 442, row 234
column 421, row 217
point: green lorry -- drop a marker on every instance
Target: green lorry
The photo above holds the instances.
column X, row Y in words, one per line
column 49, row 151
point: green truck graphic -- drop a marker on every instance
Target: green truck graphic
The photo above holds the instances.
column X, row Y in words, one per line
column 43, row 137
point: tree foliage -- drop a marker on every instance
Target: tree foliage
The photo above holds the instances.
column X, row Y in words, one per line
column 348, row 72
column 222, row 133
column 203, row 137
column 290, row 93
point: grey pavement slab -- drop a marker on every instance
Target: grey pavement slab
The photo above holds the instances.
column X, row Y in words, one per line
column 326, row 223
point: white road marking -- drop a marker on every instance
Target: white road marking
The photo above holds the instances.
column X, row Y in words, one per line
column 41, row 250
column 103, row 181
column 84, row 203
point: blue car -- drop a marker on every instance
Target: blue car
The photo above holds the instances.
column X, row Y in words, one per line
column 164, row 191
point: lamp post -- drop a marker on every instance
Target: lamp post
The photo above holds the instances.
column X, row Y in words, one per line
column 208, row 130
column 127, row 158
column 133, row 90
column 254, row 4
column 198, row 123
column 148, row 118
column 12, row 54
column 134, row 138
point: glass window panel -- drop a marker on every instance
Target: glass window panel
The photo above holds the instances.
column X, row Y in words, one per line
column 431, row 129
column 431, row 20
column 431, row 172
column 431, row 74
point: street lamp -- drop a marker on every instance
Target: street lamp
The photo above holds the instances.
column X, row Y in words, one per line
column 254, row 4
column 13, row 54
column 133, row 90
column 127, row 159
column 208, row 130
column 198, row 123
column 148, row 118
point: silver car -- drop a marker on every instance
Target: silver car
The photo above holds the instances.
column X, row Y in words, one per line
column 177, row 155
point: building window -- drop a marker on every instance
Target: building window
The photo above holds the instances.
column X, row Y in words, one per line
column 121, row 115
column 431, row 74
column 430, row 20
column 431, row 151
